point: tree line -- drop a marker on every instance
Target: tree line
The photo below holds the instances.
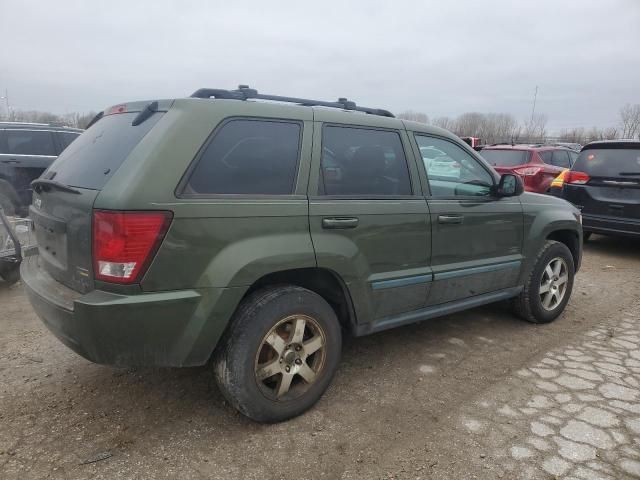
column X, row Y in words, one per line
column 503, row 127
column 75, row 119
column 490, row 127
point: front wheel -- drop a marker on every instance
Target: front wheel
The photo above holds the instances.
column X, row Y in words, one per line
column 279, row 354
column 548, row 288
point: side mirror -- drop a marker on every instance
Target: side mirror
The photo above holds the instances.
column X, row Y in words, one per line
column 510, row 185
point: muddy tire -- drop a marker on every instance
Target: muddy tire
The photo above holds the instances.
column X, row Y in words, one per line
column 10, row 272
column 279, row 354
column 548, row 288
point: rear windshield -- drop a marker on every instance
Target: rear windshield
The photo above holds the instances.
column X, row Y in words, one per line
column 609, row 162
column 90, row 160
column 505, row 158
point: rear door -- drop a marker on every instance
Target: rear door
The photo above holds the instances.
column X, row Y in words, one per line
column 62, row 205
column 476, row 238
column 612, row 188
column 369, row 222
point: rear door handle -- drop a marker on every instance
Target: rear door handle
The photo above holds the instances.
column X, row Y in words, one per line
column 450, row 219
column 339, row 222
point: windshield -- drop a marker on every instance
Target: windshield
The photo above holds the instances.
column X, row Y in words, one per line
column 609, row 162
column 96, row 154
column 505, row 158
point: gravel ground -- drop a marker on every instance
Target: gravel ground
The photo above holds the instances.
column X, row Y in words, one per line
column 473, row 395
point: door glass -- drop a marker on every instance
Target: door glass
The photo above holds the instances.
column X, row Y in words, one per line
column 30, row 142
column 451, row 171
column 560, row 158
column 66, row 138
column 546, row 156
column 360, row 161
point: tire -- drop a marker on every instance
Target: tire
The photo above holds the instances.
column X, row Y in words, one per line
column 530, row 304
column 7, row 205
column 10, row 272
column 271, row 316
column 586, row 236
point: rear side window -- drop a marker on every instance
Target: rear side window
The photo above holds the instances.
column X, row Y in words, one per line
column 250, row 157
column 29, row 142
column 505, row 158
column 95, row 155
column 560, row 158
column 358, row 161
column 66, row 138
column 609, row 162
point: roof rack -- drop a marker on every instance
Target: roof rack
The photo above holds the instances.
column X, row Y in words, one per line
column 244, row 93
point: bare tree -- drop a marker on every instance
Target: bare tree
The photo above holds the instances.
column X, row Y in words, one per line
column 414, row 116
column 444, row 122
column 630, row 118
column 535, row 130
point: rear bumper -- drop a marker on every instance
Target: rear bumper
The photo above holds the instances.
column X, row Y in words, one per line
column 151, row 329
column 611, row 225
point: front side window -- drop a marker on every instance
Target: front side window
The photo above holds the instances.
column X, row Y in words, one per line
column 451, row 171
column 30, row 142
column 363, row 162
column 251, row 157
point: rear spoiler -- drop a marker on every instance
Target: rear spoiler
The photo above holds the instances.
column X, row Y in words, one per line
column 147, row 106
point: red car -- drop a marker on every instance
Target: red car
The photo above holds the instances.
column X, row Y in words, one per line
column 538, row 165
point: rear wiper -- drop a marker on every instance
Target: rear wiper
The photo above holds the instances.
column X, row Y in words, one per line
column 40, row 184
column 630, row 174
column 146, row 112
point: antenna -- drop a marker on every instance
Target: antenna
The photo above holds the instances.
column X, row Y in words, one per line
column 533, row 110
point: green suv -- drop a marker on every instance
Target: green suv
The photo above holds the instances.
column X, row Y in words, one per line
column 254, row 230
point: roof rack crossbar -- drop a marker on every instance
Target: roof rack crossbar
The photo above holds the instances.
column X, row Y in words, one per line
column 244, row 93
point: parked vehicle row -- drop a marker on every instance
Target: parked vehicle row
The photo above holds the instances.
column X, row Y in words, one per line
column 254, row 230
column 604, row 183
column 26, row 150
column 538, row 165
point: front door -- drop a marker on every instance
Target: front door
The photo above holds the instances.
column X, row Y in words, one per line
column 369, row 221
column 476, row 237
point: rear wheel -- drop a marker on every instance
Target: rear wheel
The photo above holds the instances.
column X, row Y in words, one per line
column 279, row 354
column 10, row 272
column 549, row 286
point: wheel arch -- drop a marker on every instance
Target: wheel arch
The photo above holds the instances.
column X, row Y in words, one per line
column 326, row 283
column 571, row 239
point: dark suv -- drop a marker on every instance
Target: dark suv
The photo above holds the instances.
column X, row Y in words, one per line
column 538, row 165
column 604, row 184
column 253, row 230
column 26, row 150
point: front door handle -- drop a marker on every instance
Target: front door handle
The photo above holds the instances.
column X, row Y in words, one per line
column 450, row 219
column 339, row 222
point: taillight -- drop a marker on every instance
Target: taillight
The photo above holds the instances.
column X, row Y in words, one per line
column 527, row 171
column 577, row 178
column 124, row 243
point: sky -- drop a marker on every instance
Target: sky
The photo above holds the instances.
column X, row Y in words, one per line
column 442, row 58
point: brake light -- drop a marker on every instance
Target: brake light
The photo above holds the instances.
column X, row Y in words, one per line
column 117, row 109
column 577, row 178
column 124, row 243
column 527, row 171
